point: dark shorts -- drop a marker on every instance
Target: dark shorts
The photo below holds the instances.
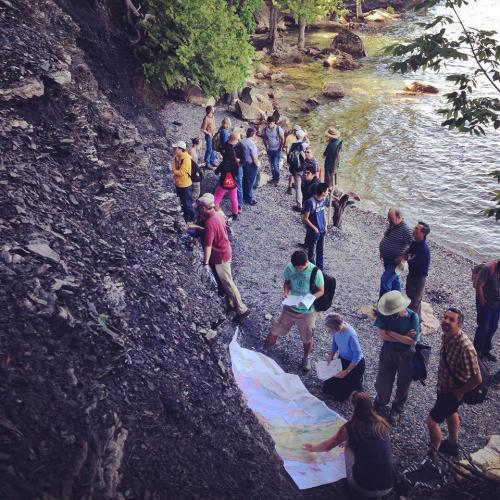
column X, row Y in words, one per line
column 446, row 405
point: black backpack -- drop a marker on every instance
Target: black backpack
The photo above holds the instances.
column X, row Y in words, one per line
column 478, row 394
column 196, row 173
column 420, row 362
column 296, row 158
column 325, row 301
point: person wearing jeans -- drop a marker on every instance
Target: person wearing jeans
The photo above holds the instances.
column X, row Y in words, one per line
column 315, row 222
column 250, row 165
column 392, row 248
column 208, row 129
column 228, row 170
column 488, row 308
column 274, row 139
column 181, row 169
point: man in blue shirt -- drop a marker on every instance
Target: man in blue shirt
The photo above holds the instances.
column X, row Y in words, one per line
column 418, row 256
column 274, row 139
column 315, row 222
column 250, row 165
column 399, row 328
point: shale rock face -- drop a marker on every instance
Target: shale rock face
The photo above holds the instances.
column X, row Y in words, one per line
column 114, row 381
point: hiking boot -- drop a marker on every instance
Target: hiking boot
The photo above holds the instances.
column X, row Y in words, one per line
column 289, row 190
column 394, row 418
column 489, row 356
column 448, row 449
column 240, row 317
column 306, row 363
column 381, row 410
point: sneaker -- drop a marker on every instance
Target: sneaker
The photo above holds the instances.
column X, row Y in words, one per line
column 306, row 363
column 240, row 317
column 448, row 449
column 489, row 356
column 253, row 202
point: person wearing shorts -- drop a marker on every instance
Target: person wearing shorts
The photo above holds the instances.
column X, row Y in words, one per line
column 297, row 277
column 458, row 373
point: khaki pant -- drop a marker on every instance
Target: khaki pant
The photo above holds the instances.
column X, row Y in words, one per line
column 415, row 289
column 226, row 278
column 288, row 317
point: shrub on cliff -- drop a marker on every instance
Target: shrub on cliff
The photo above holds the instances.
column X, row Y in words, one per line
column 202, row 42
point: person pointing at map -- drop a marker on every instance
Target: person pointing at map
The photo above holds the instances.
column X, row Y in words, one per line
column 298, row 306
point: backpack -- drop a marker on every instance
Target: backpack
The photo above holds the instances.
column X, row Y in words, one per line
column 325, row 301
column 217, row 142
column 478, row 394
column 196, row 173
column 296, row 158
column 476, row 270
column 420, row 362
column 229, row 181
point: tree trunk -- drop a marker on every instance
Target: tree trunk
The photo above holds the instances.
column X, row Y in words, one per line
column 359, row 11
column 302, row 32
column 273, row 26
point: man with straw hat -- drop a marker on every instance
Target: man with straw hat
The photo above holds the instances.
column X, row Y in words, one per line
column 332, row 156
column 399, row 329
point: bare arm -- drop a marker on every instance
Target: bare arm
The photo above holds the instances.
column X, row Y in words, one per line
column 286, row 289
column 306, row 220
column 207, row 252
column 320, row 292
column 404, row 339
column 327, row 445
column 473, row 382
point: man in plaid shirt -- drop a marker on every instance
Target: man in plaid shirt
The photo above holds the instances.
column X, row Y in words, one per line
column 458, row 373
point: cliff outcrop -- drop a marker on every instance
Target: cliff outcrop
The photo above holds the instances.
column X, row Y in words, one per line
column 114, row 379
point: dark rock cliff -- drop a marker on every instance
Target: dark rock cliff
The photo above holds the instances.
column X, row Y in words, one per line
column 114, row 382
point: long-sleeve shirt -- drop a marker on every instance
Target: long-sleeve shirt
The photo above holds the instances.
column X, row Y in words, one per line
column 347, row 344
column 181, row 168
column 419, row 258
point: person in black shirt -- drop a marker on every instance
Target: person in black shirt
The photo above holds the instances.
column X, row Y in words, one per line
column 418, row 256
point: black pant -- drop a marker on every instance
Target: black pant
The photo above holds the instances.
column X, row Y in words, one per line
column 341, row 388
column 185, row 195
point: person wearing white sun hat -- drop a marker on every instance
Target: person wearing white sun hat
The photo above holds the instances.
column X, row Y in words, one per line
column 399, row 329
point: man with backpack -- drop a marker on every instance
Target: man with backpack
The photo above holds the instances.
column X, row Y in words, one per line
column 298, row 275
column 458, row 373
column 399, row 329
column 487, row 285
column 274, row 139
column 315, row 222
column 296, row 158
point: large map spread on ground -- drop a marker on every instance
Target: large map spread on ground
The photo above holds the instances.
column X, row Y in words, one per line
column 291, row 415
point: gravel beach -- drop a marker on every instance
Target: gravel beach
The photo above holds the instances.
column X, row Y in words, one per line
column 265, row 236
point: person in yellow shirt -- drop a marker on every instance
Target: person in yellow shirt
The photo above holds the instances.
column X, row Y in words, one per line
column 181, row 168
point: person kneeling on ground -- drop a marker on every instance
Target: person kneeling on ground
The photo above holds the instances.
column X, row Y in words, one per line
column 458, row 373
column 315, row 222
column 297, row 276
column 217, row 252
column 368, row 455
column 345, row 345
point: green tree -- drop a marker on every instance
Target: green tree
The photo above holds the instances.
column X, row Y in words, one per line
column 202, row 42
column 306, row 11
column 466, row 111
column 245, row 10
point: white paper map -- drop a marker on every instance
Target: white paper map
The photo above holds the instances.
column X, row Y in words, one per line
column 294, row 300
column 291, row 415
column 326, row 371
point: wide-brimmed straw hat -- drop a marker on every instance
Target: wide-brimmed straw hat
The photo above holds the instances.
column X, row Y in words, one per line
column 392, row 302
column 332, row 133
column 206, row 201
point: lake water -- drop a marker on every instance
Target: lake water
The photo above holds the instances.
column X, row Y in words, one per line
column 395, row 151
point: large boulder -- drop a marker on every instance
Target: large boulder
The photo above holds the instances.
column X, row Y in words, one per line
column 379, row 16
column 341, row 60
column 251, row 96
column 420, row 88
column 194, row 95
column 249, row 112
column 333, row 90
column 349, row 42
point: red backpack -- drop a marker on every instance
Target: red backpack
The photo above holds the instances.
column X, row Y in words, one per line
column 479, row 267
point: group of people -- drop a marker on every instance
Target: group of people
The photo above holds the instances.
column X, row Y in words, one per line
column 398, row 315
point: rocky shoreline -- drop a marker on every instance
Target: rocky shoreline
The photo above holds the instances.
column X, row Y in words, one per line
column 266, row 235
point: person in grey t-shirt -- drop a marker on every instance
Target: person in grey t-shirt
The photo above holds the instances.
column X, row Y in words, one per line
column 393, row 246
column 274, row 139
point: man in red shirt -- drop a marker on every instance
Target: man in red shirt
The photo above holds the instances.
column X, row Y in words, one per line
column 217, row 252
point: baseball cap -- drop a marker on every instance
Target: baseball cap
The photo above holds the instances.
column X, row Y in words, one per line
column 180, row 144
column 300, row 134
